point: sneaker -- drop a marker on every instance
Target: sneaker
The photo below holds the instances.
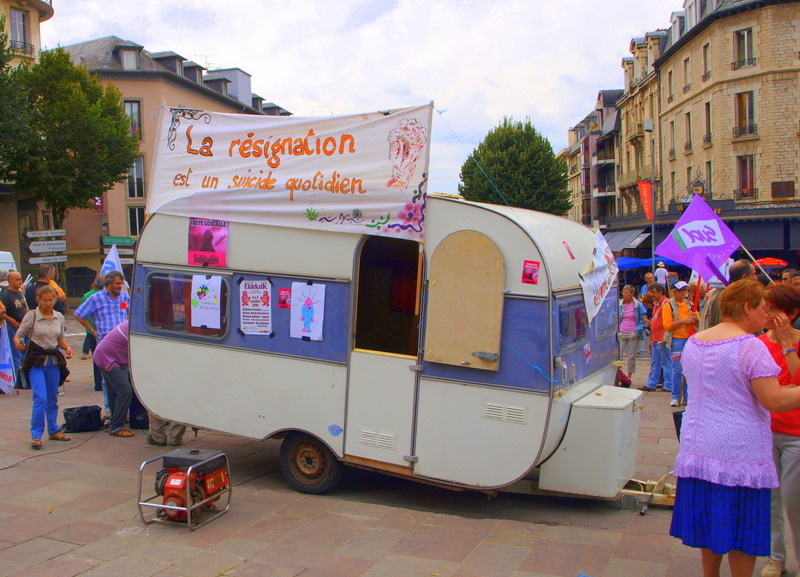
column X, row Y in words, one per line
column 647, row 390
column 84, row 356
column 773, row 569
column 152, row 441
column 673, row 403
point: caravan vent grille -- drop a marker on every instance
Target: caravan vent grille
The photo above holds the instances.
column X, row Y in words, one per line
column 378, row 439
column 506, row 413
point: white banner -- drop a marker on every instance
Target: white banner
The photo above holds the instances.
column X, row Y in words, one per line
column 363, row 174
column 599, row 279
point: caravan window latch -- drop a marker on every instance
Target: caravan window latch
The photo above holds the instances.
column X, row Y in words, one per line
column 486, row 356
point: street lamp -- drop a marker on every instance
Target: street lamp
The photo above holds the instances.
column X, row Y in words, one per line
column 648, row 127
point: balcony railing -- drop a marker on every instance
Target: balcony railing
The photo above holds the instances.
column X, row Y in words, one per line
column 743, row 63
column 687, row 88
column 605, row 154
column 707, row 75
column 25, row 47
column 747, row 130
column 636, row 131
column 707, row 138
column 671, row 153
column 687, row 146
column 670, row 98
column 745, row 193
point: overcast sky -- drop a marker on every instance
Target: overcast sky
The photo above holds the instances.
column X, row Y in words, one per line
column 477, row 61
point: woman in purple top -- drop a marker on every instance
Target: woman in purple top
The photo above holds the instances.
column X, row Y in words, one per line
column 725, row 468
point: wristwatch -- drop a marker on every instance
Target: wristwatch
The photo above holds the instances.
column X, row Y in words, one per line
column 790, row 350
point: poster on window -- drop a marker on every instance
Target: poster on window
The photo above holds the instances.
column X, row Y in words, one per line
column 308, row 311
column 598, row 280
column 206, row 306
column 256, row 307
column 208, row 242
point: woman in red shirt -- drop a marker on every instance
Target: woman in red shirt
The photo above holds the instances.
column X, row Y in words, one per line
column 783, row 342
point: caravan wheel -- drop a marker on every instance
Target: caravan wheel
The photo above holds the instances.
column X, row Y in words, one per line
column 308, row 465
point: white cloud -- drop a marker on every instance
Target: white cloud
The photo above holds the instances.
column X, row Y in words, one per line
column 478, row 61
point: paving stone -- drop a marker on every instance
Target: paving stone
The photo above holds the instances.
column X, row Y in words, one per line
column 393, row 565
column 127, row 565
column 206, row 564
column 493, row 560
column 431, row 542
column 567, row 559
column 25, row 555
column 627, row 568
column 62, row 566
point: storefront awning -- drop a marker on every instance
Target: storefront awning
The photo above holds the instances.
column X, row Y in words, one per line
column 619, row 240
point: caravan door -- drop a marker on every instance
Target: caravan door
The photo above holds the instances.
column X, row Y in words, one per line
column 383, row 379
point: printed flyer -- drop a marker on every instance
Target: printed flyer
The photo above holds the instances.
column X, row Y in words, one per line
column 308, row 311
column 256, row 307
column 206, row 310
column 208, row 242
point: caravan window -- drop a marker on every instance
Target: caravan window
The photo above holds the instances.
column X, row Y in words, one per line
column 571, row 323
column 173, row 299
column 605, row 322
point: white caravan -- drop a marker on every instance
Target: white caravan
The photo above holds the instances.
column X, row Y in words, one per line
column 465, row 360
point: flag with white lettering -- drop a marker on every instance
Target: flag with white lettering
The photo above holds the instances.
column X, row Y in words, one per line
column 700, row 240
column 112, row 262
column 6, row 365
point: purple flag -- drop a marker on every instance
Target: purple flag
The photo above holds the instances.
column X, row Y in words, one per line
column 700, row 240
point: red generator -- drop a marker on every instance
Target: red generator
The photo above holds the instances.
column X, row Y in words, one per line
column 191, row 481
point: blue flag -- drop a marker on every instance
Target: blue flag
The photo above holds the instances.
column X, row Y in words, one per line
column 6, row 364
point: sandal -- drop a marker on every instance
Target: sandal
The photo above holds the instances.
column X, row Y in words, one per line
column 59, row 436
column 36, row 443
column 122, row 433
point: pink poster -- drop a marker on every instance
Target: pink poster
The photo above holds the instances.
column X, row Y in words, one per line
column 284, row 298
column 530, row 271
column 208, row 242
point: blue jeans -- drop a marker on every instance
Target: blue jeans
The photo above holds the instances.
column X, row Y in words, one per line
column 44, row 385
column 118, row 385
column 677, row 369
column 660, row 366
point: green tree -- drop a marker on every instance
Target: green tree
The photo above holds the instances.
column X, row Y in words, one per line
column 16, row 134
column 81, row 143
column 520, row 163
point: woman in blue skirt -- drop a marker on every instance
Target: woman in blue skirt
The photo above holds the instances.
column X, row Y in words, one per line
column 725, row 468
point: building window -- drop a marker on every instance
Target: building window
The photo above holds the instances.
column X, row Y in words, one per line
column 135, row 220
column 19, row 32
column 707, row 135
column 687, row 76
column 689, row 179
column 133, row 110
column 135, row 180
column 672, row 139
column 706, row 62
column 130, row 59
column 670, row 87
column 745, row 115
column 745, row 177
column 688, row 123
column 743, row 49
column 709, row 179
column 672, row 184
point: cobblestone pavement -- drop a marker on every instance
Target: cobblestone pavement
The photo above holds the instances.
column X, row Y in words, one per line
column 70, row 509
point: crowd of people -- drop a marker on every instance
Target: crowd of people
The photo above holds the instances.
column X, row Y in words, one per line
column 738, row 468
column 34, row 318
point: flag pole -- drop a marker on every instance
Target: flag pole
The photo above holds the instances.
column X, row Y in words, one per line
column 747, row 252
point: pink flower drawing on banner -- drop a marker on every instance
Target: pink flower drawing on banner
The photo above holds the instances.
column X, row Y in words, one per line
column 412, row 214
column 406, row 143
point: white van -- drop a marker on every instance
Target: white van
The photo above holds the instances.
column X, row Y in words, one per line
column 7, row 261
column 450, row 361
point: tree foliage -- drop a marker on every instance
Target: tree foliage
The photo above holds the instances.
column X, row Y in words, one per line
column 16, row 132
column 520, row 162
column 78, row 144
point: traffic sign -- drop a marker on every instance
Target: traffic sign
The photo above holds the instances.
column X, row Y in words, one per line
column 123, row 240
column 48, row 246
column 121, row 251
column 46, row 233
column 47, row 259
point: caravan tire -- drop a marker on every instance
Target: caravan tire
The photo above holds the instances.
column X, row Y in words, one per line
column 309, row 465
